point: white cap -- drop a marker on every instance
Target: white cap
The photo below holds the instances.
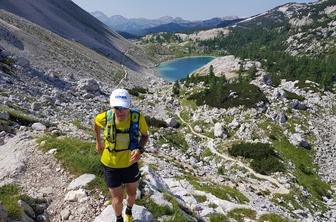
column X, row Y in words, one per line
column 121, row 98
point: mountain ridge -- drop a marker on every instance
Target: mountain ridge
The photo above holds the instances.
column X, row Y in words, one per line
column 66, row 19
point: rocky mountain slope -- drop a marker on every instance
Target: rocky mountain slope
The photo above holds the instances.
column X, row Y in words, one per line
column 191, row 171
column 68, row 20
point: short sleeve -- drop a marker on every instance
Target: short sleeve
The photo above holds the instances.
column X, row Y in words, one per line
column 143, row 124
column 101, row 119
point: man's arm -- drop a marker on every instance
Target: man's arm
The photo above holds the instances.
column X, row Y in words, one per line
column 136, row 154
column 99, row 147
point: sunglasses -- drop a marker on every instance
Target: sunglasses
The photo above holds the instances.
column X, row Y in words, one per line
column 119, row 108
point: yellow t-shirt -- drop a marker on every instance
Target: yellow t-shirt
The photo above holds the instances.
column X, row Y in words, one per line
column 119, row 159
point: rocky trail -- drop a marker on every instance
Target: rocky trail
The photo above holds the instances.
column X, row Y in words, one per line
column 280, row 188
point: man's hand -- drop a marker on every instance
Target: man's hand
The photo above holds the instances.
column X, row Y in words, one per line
column 99, row 148
column 135, row 156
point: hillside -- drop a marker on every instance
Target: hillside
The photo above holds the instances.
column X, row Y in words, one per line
column 66, row 19
column 238, row 142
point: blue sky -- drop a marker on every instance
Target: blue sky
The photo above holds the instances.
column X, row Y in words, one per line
column 187, row 9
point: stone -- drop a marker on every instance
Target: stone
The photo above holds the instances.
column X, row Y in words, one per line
column 158, row 198
column 298, row 105
column 77, row 195
column 171, row 122
column 23, row 62
column 267, row 79
column 42, row 218
column 282, row 118
column 81, row 181
column 218, row 130
column 26, row 218
column 3, row 214
column 4, row 115
column 27, row 209
column 198, row 129
column 51, row 151
column 35, row 106
column 88, row 85
column 65, row 214
column 39, row 127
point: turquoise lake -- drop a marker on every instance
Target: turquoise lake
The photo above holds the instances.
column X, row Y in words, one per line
column 180, row 68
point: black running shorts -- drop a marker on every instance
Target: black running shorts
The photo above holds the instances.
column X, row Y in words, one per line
column 114, row 177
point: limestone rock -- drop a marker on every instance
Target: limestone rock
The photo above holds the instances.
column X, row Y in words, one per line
column 39, row 127
column 27, row 209
column 4, row 115
column 81, row 181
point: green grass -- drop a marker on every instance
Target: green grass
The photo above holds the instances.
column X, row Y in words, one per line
column 218, row 218
column 177, row 214
column 19, row 116
column 77, row 156
column 2, row 93
column 307, row 86
column 206, row 152
column 77, row 123
column 212, row 205
column 291, row 95
column 200, row 198
column 240, row 213
column 305, row 172
column 272, row 217
column 176, row 139
column 156, row 210
column 220, row 191
column 9, row 196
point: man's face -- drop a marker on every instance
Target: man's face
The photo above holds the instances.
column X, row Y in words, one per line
column 121, row 113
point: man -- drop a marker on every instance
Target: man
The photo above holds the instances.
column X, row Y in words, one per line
column 125, row 135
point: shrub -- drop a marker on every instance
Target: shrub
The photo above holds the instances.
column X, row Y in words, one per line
column 221, row 95
column 137, row 90
column 200, row 198
column 264, row 159
column 256, row 151
column 267, row 166
column 291, row 95
column 153, row 122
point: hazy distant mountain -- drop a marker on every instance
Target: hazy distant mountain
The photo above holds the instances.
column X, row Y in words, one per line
column 142, row 26
column 134, row 26
column 196, row 25
column 70, row 21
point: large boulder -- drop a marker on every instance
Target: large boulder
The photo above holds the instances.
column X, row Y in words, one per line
column 219, row 130
column 4, row 115
column 267, row 79
column 298, row 105
column 89, row 85
column 298, row 140
column 171, row 122
column 39, row 127
column 81, row 181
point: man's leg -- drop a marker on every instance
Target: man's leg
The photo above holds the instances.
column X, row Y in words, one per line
column 117, row 198
column 131, row 189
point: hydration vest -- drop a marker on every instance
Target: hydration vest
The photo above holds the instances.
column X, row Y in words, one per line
column 110, row 132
